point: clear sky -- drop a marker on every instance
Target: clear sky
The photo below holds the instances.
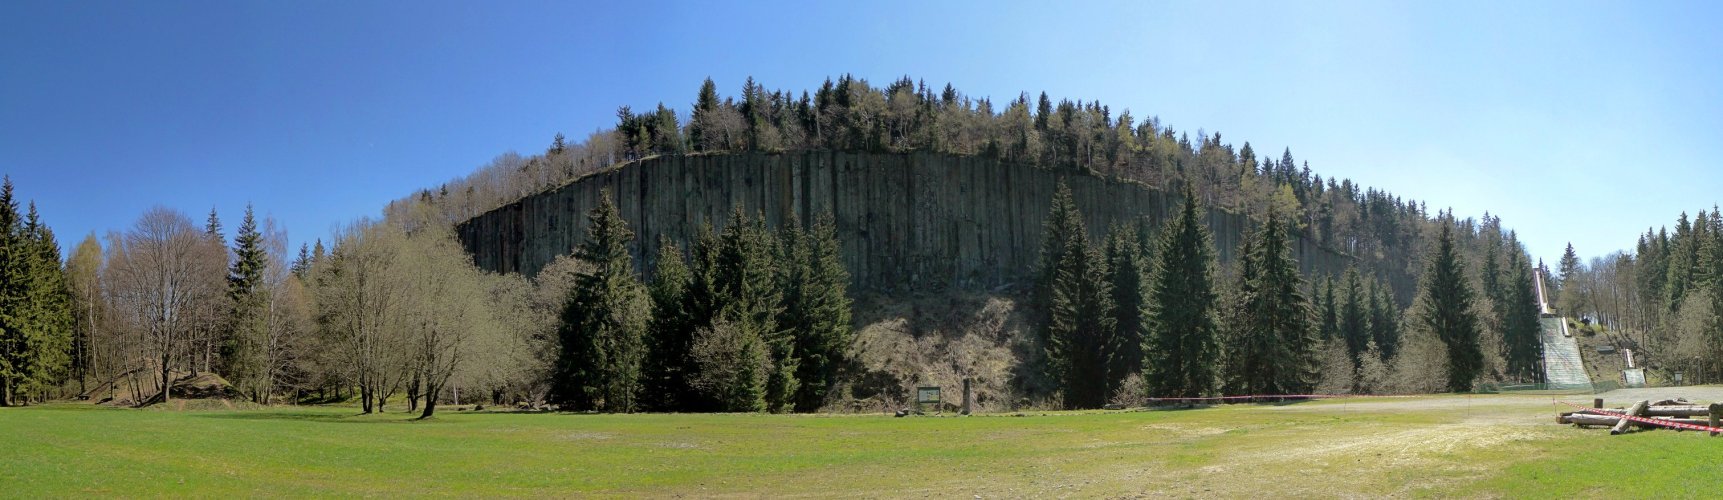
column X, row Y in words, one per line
column 1573, row 121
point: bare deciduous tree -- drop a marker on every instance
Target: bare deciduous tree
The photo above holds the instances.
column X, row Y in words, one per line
column 162, row 279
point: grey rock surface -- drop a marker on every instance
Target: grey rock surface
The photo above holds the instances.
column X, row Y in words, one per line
column 907, row 221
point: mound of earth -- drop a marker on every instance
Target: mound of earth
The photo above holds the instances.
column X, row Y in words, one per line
column 204, row 385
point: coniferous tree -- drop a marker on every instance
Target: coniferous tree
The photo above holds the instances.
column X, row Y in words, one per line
column 668, row 365
column 1080, row 319
column 1354, row 320
column 1684, row 252
column 1243, row 353
column 1384, row 319
column 1330, row 315
column 301, row 266
column 822, row 321
column 1272, row 345
column 1448, row 313
column 242, row 348
column 1520, row 326
column 603, row 322
column 1181, row 350
column 1126, row 266
column 212, row 228
column 48, row 336
column 1570, row 262
column 700, row 124
column 792, row 269
column 35, row 304
column 1062, row 223
column 1494, row 289
column 14, row 297
column 749, row 300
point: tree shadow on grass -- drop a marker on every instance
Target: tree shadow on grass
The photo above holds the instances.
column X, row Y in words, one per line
column 1204, row 406
column 334, row 418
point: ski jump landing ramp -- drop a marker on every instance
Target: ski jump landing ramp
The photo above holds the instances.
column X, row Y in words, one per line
column 1563, row 368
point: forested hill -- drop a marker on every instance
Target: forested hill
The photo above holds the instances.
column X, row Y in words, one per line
column 1387, row 233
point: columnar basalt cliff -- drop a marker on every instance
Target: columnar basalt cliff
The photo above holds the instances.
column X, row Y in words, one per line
column 914, row 221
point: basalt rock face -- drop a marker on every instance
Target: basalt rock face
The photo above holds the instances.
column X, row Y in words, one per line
column 907, row 222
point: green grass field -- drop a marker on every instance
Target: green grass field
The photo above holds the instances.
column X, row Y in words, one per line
column 1479, row 446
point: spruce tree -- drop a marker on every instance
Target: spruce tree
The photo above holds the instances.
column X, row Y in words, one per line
column 822, row 322
column 749, row 300
column 1683, row 253
column 1520, row 327
column 700, row 133
column 1494, row 289
column 1273, row 345
column 212, row 228
column 1127, row 278
column 1384, row 319
column 700, row 304
column 301, row 267
column 14, row 297
column 1181, row 351
column 1330, row 317
column 1063, row 221
column 668, row 363
column 48, row 327
column 1570, row 261
column 1448, row 313
column 14, row 293
column 1080, row 320
column 603, row 321
column 793, row 269
column 241, row 350
column 35, row 304
column 1354, row 321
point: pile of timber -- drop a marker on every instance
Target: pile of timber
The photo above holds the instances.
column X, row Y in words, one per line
column 1679, row 411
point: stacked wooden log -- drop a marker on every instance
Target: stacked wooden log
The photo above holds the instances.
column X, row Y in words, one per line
column 1675, row 411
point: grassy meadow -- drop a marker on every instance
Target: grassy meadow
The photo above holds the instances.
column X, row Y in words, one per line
column 1440, row 446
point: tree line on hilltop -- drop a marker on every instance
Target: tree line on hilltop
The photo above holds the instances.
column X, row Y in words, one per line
column 1663, row 300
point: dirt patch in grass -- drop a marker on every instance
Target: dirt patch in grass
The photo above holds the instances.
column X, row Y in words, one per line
column 588, row 436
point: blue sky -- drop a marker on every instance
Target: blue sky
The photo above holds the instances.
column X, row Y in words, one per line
column 1573, row 121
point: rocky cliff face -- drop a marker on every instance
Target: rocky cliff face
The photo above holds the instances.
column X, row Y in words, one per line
column 908, row 222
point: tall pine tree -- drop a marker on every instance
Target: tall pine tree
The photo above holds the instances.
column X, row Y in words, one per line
column 1520, row 326
column 35, row 305
column 1181, row 351
column 1354, row 320
column 242, row 348
column 1080, row 317
column 821, row 319
column 1127, row 270
column 1448, row 313
column 14, row 297
column 48, row 335
column 1272, row 345
column 603, row 322
column 1327, row 311
column 1062, row 223
column 746, row 296
column 667, row 366
column 1384, row 319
